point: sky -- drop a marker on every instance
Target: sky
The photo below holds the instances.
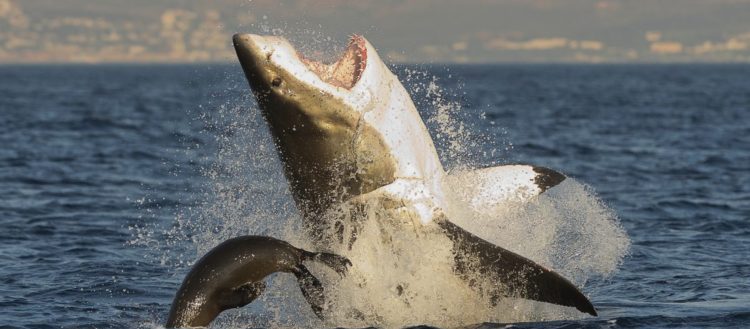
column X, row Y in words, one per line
column 424, row 31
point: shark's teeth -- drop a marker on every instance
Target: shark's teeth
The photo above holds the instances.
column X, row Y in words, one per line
column 347, row 70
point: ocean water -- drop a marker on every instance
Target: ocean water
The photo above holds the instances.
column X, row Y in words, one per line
column 114, row 179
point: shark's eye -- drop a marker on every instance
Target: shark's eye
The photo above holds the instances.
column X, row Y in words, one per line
column 276, row 82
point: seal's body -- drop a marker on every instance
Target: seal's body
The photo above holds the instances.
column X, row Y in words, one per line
column 231, row 275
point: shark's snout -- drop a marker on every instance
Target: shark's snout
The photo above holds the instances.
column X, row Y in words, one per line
column 240, row 39
column 248, row 49
column 246, row 44
column 253, row 52
column 261, row 54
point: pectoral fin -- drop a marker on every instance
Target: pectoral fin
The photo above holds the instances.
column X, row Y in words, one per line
column 487, row 187
column 520, row 276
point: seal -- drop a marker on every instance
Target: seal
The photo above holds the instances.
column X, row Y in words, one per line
column 349, row 136
column 231, row 276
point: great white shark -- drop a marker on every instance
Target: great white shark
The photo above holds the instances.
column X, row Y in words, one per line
column 348, row 132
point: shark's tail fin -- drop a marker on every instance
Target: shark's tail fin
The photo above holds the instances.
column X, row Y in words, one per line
column 520, row 276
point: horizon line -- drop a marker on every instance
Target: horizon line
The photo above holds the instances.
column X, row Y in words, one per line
column 390, row 62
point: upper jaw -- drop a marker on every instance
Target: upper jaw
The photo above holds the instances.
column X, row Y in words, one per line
column 347, row 70
column 261, row 55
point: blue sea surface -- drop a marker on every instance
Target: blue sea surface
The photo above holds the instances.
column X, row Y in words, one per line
column 91, row 155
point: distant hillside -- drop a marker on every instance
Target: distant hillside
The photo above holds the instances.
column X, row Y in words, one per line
column 93, row 31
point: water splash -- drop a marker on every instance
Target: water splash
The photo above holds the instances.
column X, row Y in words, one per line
column 402, row 273
column 567, row 228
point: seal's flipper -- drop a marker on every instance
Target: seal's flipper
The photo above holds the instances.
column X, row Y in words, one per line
column 340, row 264
column 311, row 288
column 242, row 295
column 520, row 276
column 483, row 188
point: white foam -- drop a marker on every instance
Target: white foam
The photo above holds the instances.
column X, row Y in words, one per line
column 567, row 228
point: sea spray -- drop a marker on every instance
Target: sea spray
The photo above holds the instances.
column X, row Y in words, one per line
column 402, row 271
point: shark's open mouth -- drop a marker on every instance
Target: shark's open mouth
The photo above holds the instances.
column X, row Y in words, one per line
column 347, row 70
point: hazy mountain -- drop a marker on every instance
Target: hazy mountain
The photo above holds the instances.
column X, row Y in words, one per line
column 404, row 30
